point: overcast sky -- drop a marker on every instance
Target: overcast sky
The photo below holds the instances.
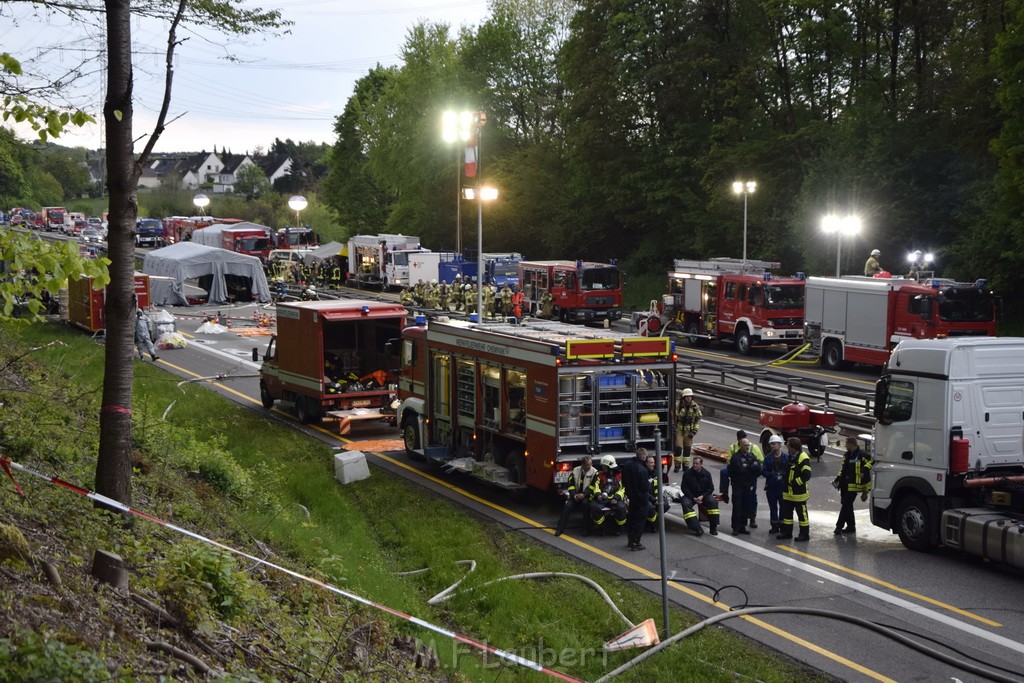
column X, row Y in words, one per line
column 288, row 87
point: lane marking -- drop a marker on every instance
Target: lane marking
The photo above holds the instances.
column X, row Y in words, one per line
column 893, row 587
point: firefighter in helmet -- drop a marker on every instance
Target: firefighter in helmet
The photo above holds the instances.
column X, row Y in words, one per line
column 547, row 304
column 872, row 266
column 687, row 424
column 608, row 497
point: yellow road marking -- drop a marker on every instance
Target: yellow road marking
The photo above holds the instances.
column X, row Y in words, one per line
column 892, row 587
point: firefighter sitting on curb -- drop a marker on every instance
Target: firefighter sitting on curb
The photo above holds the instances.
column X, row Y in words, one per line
column 687, row 424
column 577, row 494
column 608, row 497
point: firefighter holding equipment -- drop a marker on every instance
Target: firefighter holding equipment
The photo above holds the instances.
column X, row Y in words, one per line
column 687, row 425
column 608, row 497
column 854, row 477
column 577, row 494
column 794, row 497
column 872, row 266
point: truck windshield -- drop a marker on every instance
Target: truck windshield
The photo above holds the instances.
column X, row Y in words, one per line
column 400, row 258
column 965, row 304
column 783, row 296
column 299, row 237
column 506, row 270
column 600, row 278
column 254, row 244
column 150, row 224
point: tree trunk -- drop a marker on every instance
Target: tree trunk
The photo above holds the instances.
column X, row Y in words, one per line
column 113, row 465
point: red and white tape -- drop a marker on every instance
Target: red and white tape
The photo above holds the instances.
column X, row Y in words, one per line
column 8, row 464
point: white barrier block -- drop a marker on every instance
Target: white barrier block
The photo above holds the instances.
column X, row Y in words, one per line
column 350, row 466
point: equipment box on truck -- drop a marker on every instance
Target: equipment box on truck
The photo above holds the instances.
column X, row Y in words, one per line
column 949, row 458
column 329, row 358
column 519, row 405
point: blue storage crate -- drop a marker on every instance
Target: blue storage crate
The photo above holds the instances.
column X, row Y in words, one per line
column 612, row 380
column 611, row 432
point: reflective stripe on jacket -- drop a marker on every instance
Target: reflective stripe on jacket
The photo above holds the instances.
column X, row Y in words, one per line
column 797, row 476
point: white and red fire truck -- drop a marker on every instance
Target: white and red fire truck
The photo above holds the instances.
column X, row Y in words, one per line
column 519, row 405
column 330, row 359
column 856, row 319
column 729, row 299
column 581, row 291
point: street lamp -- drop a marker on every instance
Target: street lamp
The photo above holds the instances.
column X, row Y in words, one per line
column 452, row 132
column 744, row 187
column 843, row 226
column 201, row 201
column 297, row 203
column 467, row 127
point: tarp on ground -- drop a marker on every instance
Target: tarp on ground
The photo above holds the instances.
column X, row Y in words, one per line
column 323, row 253
column 211, row 234
column 186, row 260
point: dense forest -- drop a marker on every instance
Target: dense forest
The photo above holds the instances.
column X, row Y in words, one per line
column 616, row 128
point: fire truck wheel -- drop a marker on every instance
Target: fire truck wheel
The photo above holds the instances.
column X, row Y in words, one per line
column 517, row 467
column 832, row 356
column 411, row 438
column 265, row 398
column 696, row 339
column 744, row 342
column 913, row 523
column 306, row 411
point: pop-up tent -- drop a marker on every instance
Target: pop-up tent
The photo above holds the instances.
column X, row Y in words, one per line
column 219, row 271
column 322, row 253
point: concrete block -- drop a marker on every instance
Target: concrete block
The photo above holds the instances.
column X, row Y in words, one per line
column 350, row 466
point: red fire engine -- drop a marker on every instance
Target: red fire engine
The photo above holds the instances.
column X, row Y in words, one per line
column 732, row 299
column 856, row 319
column 519, row 405
column 581, row 291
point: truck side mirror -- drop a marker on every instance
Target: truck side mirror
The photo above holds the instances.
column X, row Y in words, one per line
column 255, row 355
column 881, row 398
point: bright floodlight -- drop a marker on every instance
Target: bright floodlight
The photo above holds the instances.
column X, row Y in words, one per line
column 744, row 187
column 486, row 193
column 297, row 203
column 201, row 201
column 458, row 126
column 844, row 225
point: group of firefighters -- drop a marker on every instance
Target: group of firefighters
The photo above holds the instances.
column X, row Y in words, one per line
column 633, row 496
column 462, row 297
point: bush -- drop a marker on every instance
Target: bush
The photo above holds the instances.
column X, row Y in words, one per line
column 217, row 468
column 200, row 584
column 26, row 657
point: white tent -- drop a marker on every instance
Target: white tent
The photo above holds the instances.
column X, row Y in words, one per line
column 323, row 253
column 186, row 260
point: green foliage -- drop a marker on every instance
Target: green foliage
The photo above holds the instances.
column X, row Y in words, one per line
column 29, row 657
column 217, row 468
column 48, row 122
column 200, row 584
column 251, row 182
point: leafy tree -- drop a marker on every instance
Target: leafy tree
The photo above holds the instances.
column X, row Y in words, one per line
column 251, row 182
column 71, row 173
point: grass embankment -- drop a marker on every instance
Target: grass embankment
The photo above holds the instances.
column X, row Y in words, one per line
column 226, row 471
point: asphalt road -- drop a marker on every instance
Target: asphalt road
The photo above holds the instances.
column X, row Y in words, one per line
column 950, row 604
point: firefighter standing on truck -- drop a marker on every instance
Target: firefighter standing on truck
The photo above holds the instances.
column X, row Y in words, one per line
column 687, row 425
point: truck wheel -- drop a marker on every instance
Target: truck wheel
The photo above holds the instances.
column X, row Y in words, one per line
column 411, row 438
column 306, row 411
column 265, row 398
column 832, row 356
column 695, row 339
column 744, row 342
column 517, row 467
column 913, row 523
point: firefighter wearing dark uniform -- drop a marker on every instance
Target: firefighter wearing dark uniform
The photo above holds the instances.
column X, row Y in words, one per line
column 794, row 497
column 608, row 497
column 854, row 477
column 577, row 494
column 687, row 423
column 699, row 489
column 744, row 469
column 658, row 504
column 637, row 482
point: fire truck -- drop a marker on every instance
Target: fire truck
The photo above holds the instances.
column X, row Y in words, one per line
column 245, row 238
column 856, row 319
column 330, row 359
column 180, row 228
column 52, row 218
column 949, row 466
column 729, row 299
column 581, row 291
column 519, row 405
column 295, row 238
column 381, row 260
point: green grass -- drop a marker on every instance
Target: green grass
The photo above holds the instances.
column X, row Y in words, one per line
column 360, row 536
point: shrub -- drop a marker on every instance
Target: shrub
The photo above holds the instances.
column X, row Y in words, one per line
column 200, row 584
column 26, row 657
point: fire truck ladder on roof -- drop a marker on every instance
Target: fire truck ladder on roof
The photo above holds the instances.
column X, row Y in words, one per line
column 717, row 266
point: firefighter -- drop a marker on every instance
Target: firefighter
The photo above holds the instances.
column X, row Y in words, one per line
column 488, row 301
column 687, row 424
column 794, row 497
column 506, row 300
column 658, row 503
column 744, row 469
column 419, row 293
column 458, row 289
column 699, row 490
column 637, row 481
column 776, row 460
column 577, row 494
column 547, row 305
column 872, row 266
column 517, row 303
column 608, row 497
column 469, row 300
column 430, row 294
column 144, row 335
column 724, row 476
column 443, row 293
column 854, row 477
column 405, row 297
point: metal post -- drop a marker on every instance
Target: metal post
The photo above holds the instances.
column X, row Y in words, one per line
column 458, row 202
column 745, row 193
column 661, row 535
column 839, row 251
column 479, row 228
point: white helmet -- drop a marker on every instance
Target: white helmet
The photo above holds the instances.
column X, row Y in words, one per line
column 609, row 461
column 875, row 252
column 433, row 282
column 775, row 438
column 687, row 392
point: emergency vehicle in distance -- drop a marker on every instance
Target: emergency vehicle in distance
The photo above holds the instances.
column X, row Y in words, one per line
column 52, row 218
column 857, row 319
column 247, row 238
column 519, row 405
column 381, row 260
column 581, row 291
column 330, row 359
column 949, row 461
column 729, row 299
